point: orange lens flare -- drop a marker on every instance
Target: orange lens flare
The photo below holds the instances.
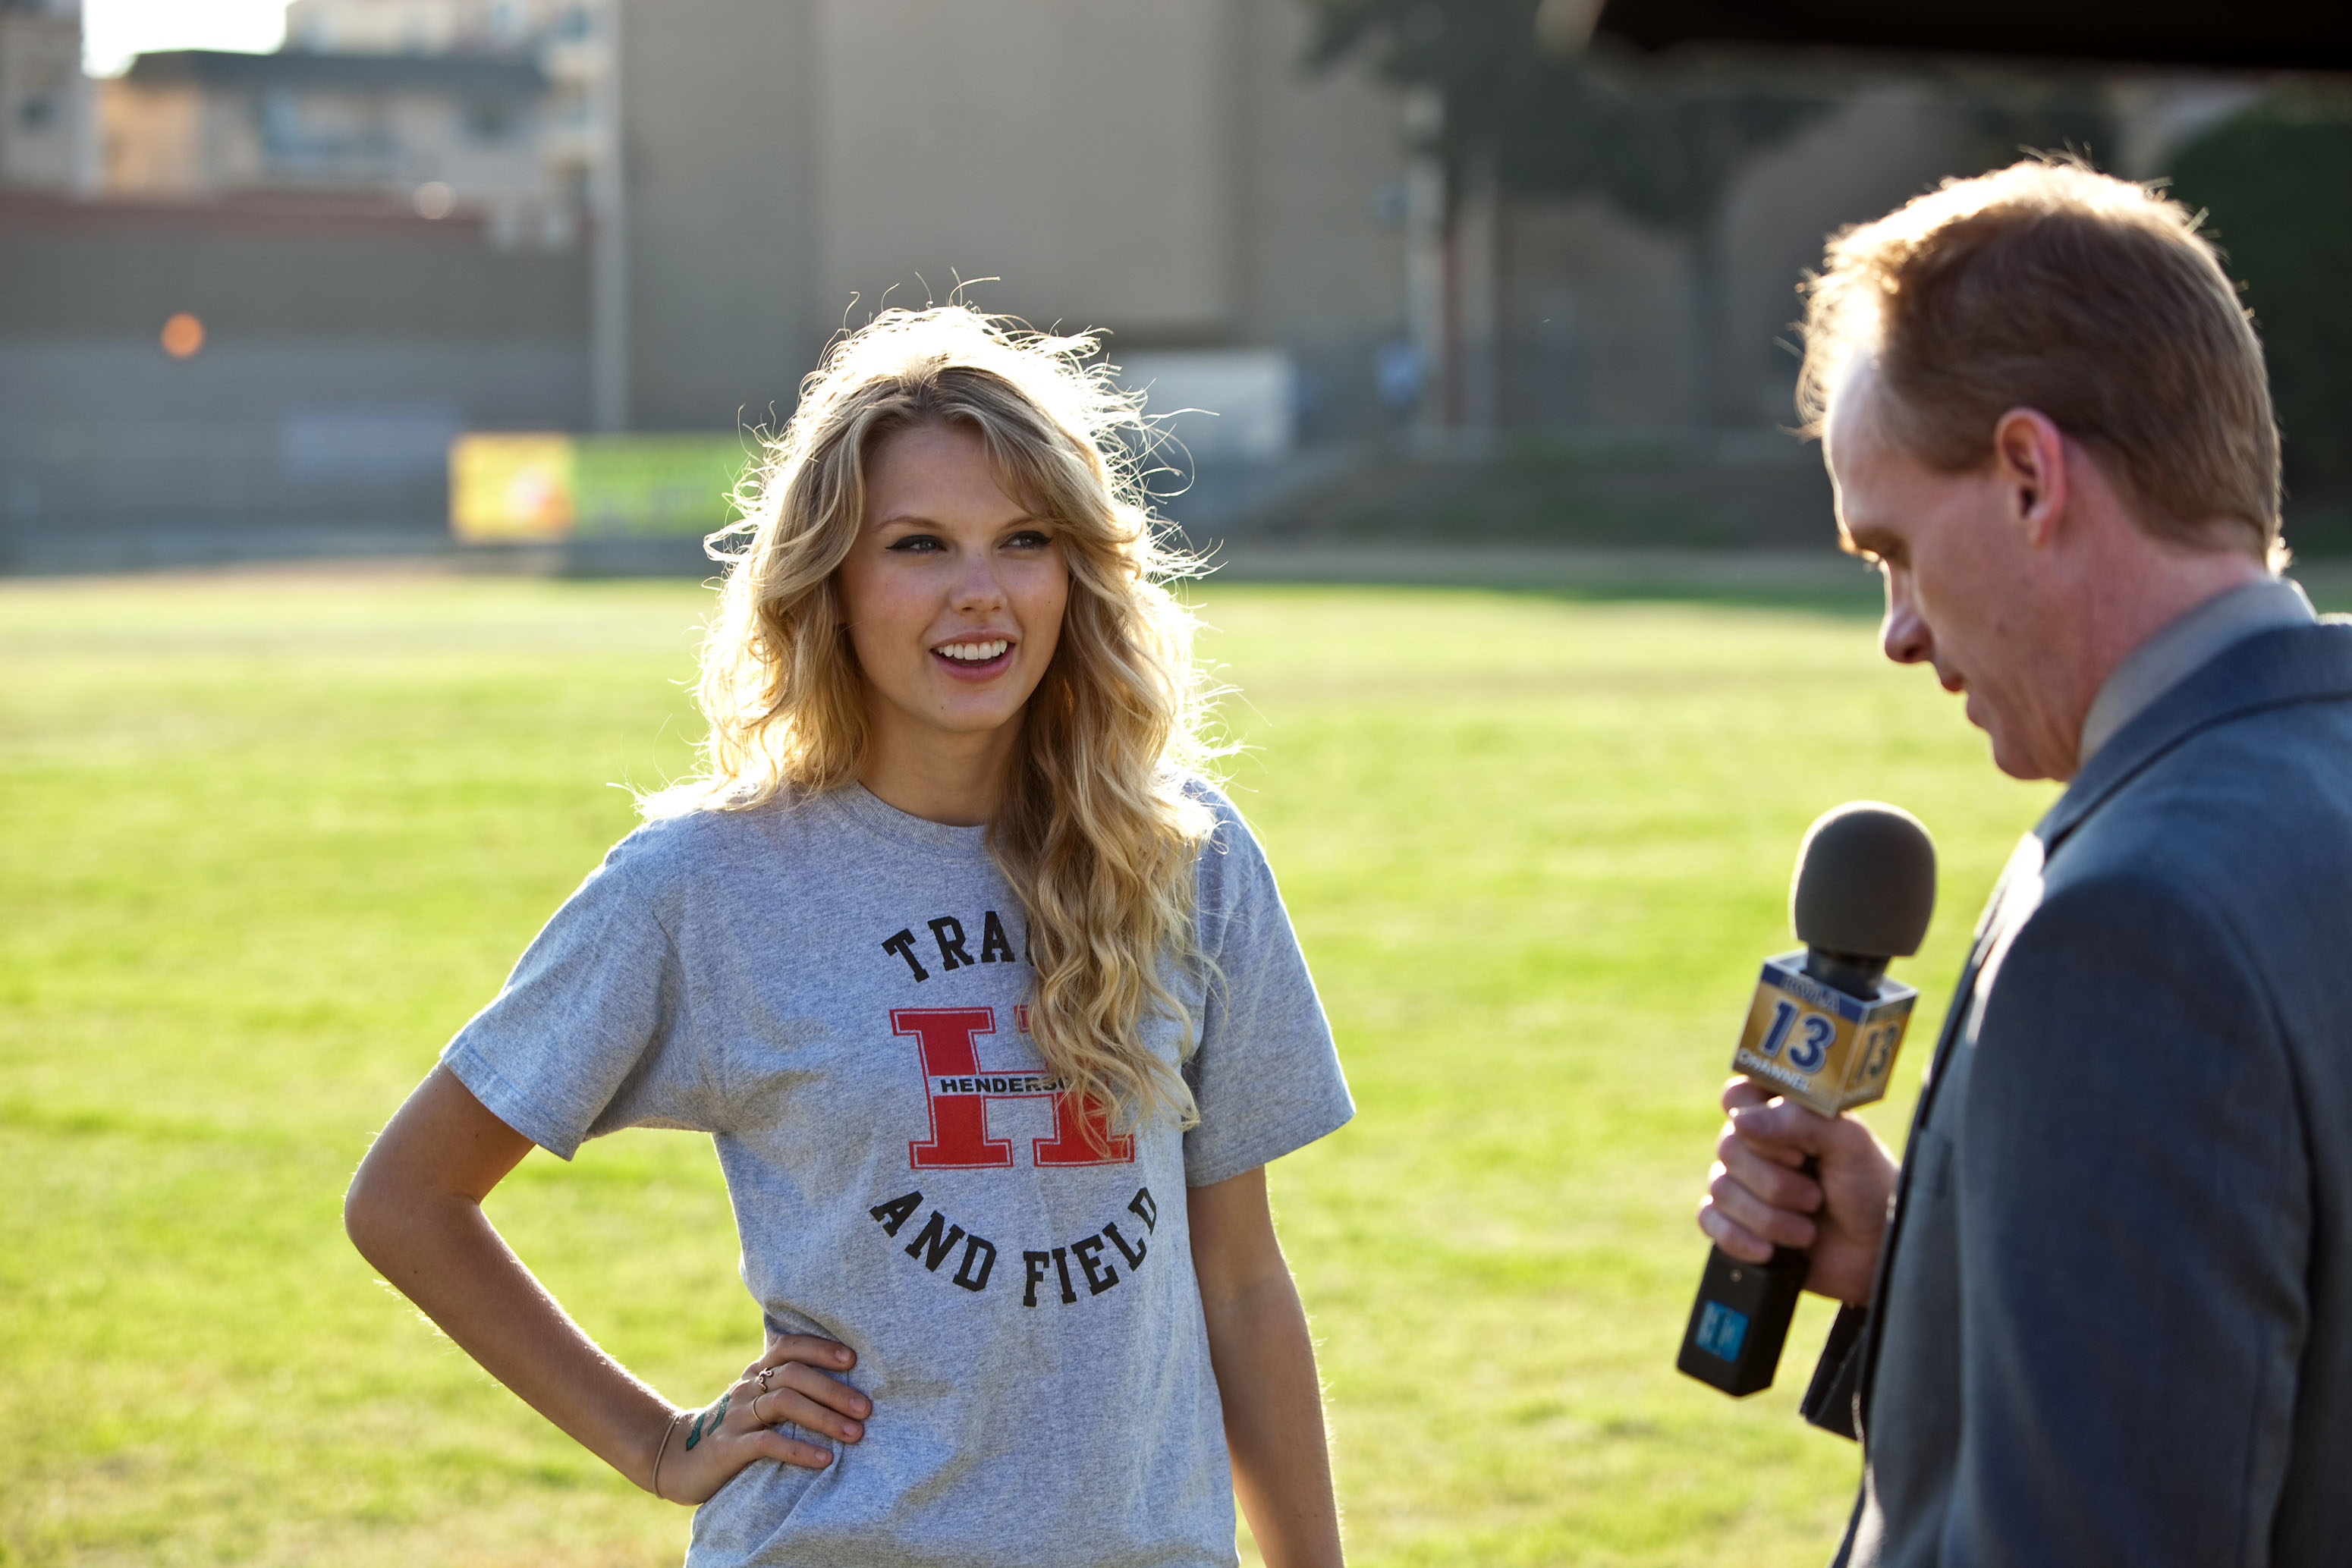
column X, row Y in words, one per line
column 183, row 336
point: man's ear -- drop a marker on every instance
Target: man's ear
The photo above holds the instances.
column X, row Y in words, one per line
column 2029, row 454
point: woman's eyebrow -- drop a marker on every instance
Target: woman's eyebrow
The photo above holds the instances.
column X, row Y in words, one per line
column 1026, row 519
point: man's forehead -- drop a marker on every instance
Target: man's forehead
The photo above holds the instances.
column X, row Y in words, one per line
column 1850, row 422
column 1853, row 442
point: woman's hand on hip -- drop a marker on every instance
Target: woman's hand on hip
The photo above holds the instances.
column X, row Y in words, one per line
column 793, row 1383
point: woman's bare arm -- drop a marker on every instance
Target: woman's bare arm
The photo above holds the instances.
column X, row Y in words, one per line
column 1265, row 1364
column 415, row 1211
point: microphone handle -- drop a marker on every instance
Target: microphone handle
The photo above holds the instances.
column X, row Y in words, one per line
column 1739, row 1321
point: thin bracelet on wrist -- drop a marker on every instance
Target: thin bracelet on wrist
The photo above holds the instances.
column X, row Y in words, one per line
column 668, row 1432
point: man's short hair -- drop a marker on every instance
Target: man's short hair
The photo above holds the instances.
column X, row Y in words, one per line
column 2091, row 299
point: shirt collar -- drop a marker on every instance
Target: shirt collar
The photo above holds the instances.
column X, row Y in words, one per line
column 2181, row 647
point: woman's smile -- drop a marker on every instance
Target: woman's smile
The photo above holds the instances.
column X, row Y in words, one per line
column 976, row 658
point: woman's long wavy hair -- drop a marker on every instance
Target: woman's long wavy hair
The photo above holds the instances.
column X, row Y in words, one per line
column 1094, row 831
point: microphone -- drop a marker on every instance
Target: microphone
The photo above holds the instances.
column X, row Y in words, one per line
column 1822, row 1031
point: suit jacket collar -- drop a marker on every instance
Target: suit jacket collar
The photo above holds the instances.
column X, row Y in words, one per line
column 2267, row 669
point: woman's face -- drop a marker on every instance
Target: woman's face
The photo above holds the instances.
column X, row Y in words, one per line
column 953, row 594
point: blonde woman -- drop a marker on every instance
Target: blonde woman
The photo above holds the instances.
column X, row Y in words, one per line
column 987, row 1000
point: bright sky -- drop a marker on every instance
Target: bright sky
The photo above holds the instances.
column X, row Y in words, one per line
column 114, row 30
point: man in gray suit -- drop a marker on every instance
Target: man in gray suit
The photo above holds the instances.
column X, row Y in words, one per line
column 2102, row 1312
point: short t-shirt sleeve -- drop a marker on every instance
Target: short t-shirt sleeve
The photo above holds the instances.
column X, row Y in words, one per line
column 1265, row 1074
column 589, row 1034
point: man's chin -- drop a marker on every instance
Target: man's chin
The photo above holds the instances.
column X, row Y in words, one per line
column 2018, row 763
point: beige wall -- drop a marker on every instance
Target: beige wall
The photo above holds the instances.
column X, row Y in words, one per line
column 1322, row 242
column 724, row 316
column 1163, row 168
column 175, row 140
column 1081, row 150
column 150, row 141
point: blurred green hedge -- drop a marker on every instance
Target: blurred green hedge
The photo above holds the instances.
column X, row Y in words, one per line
column 2276, row 181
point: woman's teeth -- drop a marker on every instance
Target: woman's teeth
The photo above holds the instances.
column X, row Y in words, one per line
column 973, row 652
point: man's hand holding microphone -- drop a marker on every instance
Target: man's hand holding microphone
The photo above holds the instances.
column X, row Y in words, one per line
column 1799, row 1195
column 1760, row 1195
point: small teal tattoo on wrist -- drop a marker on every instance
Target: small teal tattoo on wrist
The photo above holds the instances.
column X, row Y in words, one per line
column 713, row 1415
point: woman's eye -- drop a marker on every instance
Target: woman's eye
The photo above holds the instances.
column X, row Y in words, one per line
column 915, row 543
column 1030, row 539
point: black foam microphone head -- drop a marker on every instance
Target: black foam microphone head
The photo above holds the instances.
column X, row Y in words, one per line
column 1865, row 882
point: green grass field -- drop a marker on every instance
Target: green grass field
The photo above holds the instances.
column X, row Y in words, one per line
column 268, row 842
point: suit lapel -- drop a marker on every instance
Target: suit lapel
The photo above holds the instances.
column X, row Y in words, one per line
column 1989, row 929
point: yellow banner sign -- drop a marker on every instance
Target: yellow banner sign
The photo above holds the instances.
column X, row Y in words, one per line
column 509, row 488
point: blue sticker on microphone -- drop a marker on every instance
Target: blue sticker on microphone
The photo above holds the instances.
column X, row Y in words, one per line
column 1721, row 1330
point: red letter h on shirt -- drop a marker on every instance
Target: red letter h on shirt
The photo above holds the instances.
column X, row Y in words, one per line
column 959, row 1090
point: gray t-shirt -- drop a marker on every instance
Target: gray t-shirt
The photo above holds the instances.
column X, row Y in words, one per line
column 835, row 992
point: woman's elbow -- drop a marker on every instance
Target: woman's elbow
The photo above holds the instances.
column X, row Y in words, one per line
column 371, row 1212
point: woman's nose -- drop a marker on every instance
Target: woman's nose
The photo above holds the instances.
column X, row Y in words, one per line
column 977, row 585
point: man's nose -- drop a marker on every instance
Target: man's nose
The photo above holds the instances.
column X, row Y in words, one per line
column 1903, row 634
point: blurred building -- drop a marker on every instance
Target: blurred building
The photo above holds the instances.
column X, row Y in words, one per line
column 310, row 270
column 45, row 111
column 263, row 326
column 428, row 27
column 443, row 133
column 564, row 38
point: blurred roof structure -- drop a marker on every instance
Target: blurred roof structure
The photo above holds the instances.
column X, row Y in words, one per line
column 261, row 217
column 2250, row 35
column 362, row 73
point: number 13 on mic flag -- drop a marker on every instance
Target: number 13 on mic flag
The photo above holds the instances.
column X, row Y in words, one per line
column 1816, row 1044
